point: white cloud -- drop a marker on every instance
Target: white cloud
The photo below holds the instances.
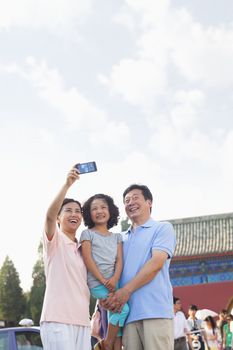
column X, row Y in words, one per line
column 125, row 19
column 141, row 78
column 9, row 68
column 51, row 15
column 78, row 112
column 186, row 112
column 227, row 156
column 179, row 145
column 167, row 39
column 114, row 134
column 177, row 135
column 138, row 81
column 135, row 167
column 150, row 10
column 203, row 54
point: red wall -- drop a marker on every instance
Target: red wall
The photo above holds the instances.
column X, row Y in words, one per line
column 213, row 296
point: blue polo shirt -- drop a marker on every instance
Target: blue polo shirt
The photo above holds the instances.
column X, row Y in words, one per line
column 153, row 300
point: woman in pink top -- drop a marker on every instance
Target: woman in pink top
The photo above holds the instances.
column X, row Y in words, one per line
column 65, row 322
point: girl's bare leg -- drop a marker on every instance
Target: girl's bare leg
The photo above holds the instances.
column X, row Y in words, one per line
column 117, row 344
column 111, row 337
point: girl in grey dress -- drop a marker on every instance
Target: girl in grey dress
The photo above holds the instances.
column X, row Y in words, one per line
column 102, row 254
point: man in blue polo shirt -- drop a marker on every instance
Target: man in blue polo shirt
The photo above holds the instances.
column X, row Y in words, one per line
column 148, row 247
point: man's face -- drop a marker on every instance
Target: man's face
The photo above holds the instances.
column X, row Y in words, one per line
column 177, row 306
column 136, row 206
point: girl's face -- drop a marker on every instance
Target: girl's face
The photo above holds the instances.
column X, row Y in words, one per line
column 208, row 324
column 192, row 313
column 70, row 217
column 99, row 212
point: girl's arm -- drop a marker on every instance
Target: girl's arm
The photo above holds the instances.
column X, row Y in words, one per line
column 214, row 336
column 204, row 336
column 111, row 282
column 90, row 263
column 119, row 262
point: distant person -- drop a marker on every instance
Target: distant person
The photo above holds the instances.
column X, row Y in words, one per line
column 181, row 327
column 222, row 320
column 102, row 253
column 65, row 323
column 212, row 333
column 231, row 329
column 148, row 247
column 227, row 334
column 195, row 326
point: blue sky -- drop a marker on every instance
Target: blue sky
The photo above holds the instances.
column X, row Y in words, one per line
column 142, row 87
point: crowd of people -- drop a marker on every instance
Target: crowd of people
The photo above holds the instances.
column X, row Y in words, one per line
column 127, row 273
column 190, row 332
column 203, row 333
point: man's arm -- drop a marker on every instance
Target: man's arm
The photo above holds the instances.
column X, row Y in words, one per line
column 144, row 276
column 186, row 331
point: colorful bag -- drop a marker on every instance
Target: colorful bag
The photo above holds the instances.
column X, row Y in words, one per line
column 96, row 325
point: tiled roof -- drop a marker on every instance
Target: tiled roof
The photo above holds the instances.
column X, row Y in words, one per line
column 204, row 235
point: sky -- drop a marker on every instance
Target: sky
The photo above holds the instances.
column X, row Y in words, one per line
column 142, row 87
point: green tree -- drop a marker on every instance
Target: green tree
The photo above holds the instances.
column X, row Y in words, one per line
column 125, row 224
column 36, row 295
column 12, row 299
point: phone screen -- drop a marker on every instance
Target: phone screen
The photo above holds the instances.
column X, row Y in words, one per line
column 84, row 168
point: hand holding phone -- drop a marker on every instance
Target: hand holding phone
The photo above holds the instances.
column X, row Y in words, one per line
column 85, row 168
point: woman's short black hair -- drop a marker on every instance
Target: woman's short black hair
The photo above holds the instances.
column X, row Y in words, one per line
column 69, row 200
column 113, row 211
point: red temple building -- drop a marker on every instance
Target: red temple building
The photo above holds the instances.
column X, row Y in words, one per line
column 202, row 268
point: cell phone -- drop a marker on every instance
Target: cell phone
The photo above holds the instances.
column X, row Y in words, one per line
column 84, row 168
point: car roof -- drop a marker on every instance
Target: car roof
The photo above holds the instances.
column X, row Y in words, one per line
column 18, row 329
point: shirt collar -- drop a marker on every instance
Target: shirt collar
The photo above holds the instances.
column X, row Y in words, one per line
column 68, row 240
column 146, row 224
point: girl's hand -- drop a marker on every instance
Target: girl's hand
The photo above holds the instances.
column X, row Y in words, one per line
column 111, row 284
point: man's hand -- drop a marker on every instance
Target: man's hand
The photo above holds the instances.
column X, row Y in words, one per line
column 121, row 296
column 115, row 301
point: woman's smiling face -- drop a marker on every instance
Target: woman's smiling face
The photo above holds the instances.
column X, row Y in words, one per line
column 70, row 217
